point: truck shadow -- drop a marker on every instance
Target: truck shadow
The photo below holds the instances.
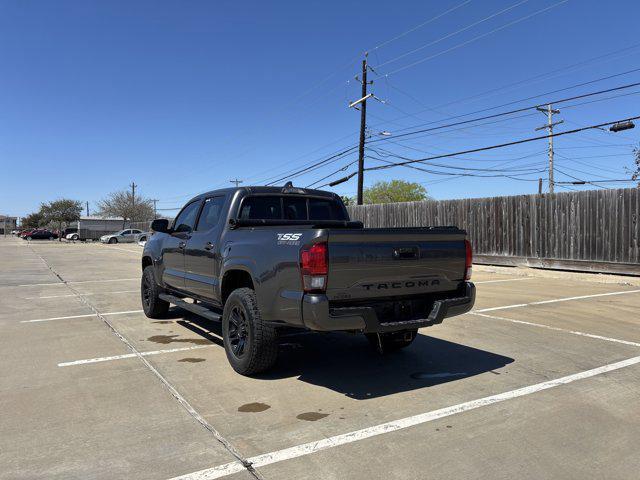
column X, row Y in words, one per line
column 347, row 363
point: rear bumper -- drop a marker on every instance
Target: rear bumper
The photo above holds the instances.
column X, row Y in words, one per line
column 317, row 315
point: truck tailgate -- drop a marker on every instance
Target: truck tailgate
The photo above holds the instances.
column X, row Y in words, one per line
column 393, row 262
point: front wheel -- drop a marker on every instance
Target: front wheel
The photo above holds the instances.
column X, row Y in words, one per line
column 250, row 344
column 390, row 342
column 152, row 304
column 113, row 240
column 75, row 238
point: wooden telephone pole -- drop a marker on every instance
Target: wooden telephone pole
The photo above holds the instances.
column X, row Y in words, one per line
column 549, row 111
column 363, row 125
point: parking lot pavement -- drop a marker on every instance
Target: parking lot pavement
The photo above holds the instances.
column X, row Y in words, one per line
column 541, row 380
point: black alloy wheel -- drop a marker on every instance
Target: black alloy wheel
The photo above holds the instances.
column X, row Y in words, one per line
column 238, row 331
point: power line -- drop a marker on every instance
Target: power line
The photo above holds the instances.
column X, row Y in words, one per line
column 413, row 29
column 452, row 34
column 510, row 112
column 455, row 47
column 508, row 144
column 315, row 165
column 608, row 56
column 492, row 147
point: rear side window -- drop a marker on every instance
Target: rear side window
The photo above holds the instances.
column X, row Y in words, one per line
column 291, row 207
column 263, row 207
column 211, row 213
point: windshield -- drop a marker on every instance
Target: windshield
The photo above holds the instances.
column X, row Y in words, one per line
column 291, row 207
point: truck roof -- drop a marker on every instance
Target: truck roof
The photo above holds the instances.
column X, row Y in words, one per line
column 288, row 189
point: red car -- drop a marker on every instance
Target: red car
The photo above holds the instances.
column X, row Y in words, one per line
column 38, row 234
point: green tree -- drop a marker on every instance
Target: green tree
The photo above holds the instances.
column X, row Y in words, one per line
column 60, row 212
column 394, row 191
column 33, row 220
column 347, row 200
column 124, row 204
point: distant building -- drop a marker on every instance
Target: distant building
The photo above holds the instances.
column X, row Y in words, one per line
column 8, row 223
column 92, row 228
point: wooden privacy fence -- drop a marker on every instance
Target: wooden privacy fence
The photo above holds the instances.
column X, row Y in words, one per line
column 593, row 230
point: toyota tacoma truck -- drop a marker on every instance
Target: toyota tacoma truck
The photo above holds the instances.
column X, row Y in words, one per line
column 263, row 258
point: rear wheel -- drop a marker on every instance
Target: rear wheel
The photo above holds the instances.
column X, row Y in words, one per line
column 390, row 342
column 250, row 344
column 113, row 240
column 29, row 238
column 152, row 304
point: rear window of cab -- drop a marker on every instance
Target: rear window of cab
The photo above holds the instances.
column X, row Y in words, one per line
column 290, row 207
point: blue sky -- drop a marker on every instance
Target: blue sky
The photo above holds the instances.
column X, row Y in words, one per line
column 181, row 97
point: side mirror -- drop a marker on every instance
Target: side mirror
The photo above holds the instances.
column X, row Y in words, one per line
column 160, row 225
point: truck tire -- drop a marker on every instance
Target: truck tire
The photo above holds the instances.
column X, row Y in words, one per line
column 251, row 345
column 391, row 342
column 152, row 304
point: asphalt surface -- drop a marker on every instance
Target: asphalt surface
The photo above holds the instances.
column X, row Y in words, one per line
column 542, row 380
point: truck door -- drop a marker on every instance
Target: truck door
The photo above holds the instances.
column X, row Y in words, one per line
column 174, row 245
column 202, row 254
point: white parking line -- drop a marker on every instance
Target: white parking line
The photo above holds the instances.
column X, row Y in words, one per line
column 73, row 283
column 504, row 280
column 72, row 295
column 558, row 329
column 125, row 250
column 355, row 436
column 131, row 355
column 565, row 299
column 78, row 316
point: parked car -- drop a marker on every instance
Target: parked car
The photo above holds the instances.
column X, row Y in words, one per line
column 40, row 234
column 128, row 235
column 70, row 233
column 263, row 258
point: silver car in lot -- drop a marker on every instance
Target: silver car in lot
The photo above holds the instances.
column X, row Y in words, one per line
column 129, row 235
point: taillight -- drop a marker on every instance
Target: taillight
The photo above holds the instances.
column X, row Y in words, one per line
column 468, row 260
column 314, row 264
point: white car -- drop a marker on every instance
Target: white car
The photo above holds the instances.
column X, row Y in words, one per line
column 129, row 235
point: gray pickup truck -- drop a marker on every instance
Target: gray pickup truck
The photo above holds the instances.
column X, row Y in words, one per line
column 262, row 258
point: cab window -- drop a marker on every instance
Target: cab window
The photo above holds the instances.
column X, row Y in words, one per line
column 211, row 213
column 186, row 219
column 261, row 207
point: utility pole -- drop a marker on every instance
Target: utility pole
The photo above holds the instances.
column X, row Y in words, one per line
column 540, row 186
column 87, row 208
column 133, row 201
column 236, row 181
column 363, row 125
column 155, row 210
column 549, row 111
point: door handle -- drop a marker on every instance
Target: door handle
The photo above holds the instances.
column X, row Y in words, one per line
column 182, row 244
column 208, row 246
